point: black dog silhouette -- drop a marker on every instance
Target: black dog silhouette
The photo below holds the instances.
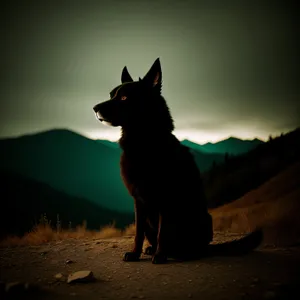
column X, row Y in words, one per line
column 161, row 175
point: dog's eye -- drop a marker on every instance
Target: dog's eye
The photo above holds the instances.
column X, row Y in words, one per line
column 123, row 97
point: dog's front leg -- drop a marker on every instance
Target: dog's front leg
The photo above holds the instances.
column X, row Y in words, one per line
column 140, row 223
column 160, row 255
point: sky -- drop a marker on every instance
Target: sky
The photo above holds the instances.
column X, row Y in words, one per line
column 229, row 68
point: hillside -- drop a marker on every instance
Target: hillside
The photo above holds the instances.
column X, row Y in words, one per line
column 205, row 161
column 232, row 145
column 77, row 165
column 24, row 200
column 90, row 169
column 231, row 180
column 71, row 163
column 111, row 144
column 275, row 206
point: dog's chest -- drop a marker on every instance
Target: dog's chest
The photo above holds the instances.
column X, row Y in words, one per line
column 143, row 173
column 141, row 167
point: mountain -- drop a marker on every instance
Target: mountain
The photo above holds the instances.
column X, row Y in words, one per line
column 71, row 163
column 206, row 161
column 90, row 169
column 24, row 200
column 111, row 144
column 227, row 182
column 77, row 165
column 231, row 145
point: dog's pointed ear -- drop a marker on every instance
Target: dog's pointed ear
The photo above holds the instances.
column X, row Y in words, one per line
column 140, row 79
column 154, row 76
column 125, row 77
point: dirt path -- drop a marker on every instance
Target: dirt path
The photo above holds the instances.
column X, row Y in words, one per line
column 263, row 274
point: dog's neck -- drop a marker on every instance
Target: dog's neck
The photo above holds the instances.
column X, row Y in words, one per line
column 132, row 141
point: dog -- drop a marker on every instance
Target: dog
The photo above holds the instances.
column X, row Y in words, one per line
column 161, row 175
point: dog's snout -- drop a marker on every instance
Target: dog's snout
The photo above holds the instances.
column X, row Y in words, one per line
column 95, row 108
column 105, row 112
column 98, row 115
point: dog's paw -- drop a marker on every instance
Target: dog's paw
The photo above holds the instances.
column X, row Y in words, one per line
column 159, row 258
column 131, row 256
column 149, row 250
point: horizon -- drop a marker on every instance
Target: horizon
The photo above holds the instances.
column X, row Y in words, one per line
column 227, row 70
column 116, row 140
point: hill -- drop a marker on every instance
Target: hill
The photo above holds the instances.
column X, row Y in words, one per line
column 205, row 161
column 90, row 169
column 111, row 144
column 240, row 174
column 71, row 163
column 77, row 165
column 232, row 145
column 24, row 200
column 275, row 206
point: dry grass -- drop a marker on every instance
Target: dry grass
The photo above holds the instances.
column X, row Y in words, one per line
column 129, row 230
column 44, row 233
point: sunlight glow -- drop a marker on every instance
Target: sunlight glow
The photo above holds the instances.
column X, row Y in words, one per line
column 196, row 136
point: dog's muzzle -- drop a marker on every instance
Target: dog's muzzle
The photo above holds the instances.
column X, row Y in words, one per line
column 99, row 116
column 97, row 113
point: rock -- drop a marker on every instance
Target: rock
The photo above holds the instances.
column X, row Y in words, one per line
column 58, row 276
column 81, row 276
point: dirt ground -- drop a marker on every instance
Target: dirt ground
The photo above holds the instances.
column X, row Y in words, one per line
column 267, row 273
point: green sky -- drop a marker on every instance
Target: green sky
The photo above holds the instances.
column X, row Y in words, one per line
column 229, row 67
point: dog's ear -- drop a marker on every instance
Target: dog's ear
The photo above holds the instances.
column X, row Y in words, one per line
column 154, row 76
column 125, row 77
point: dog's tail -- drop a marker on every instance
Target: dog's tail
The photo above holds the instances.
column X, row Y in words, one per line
column 241, row 246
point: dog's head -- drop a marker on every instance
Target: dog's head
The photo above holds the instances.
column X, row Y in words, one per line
column 133, row 102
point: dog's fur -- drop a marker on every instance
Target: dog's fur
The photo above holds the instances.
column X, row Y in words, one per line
column 161, row 175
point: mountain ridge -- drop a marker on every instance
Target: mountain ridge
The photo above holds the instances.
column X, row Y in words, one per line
column 71, row 163
column 231, row 145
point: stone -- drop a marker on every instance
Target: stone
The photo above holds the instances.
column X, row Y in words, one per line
column 59, row 276
column 81, row 276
